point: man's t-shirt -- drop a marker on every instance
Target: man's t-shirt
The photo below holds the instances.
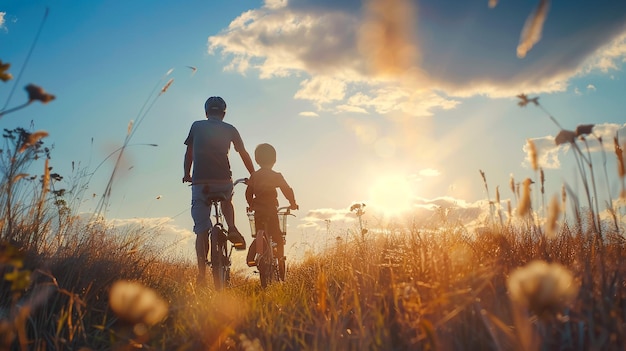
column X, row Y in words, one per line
column 211, row 140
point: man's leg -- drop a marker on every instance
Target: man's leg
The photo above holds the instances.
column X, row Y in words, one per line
column 202, row 250
column 228, row 210
column 201, row 215
column 234, row 236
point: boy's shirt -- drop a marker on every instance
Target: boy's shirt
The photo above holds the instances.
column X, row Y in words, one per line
column 261, row 192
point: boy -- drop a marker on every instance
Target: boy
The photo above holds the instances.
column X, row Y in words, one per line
column 262, row 198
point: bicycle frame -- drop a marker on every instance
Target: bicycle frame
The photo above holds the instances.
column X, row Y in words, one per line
column 271, row 267
column 220, row 248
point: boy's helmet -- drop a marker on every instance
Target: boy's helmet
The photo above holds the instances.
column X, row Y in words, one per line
column 215, row 104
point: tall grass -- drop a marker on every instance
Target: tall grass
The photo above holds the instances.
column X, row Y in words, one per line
column 67, row 283
column 441, row 287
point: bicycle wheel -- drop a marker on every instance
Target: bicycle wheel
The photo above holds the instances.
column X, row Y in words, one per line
column 268, row 268
column 268, row 271
column 282, row 268
column 219, row 258
column 264, row 272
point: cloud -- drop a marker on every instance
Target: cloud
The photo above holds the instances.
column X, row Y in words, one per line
column 308, row 114
column 609, row 57
column 323, row 214
column 386, row 37
column 321, row 90
column 275, row 4
column 163, row 232
column 429, row 172
column 2, row 21
column 370, row 57
column 548, row 153
column 531, row 34
column 591, row 87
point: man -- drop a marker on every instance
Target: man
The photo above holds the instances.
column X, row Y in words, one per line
column 208, row 144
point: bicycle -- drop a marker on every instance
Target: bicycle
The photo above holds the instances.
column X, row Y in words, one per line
column 220, row 247
column 271, row 268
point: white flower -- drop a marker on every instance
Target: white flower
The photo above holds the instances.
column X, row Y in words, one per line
column 542, row 287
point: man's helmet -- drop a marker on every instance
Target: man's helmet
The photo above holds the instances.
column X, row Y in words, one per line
column 215, row 104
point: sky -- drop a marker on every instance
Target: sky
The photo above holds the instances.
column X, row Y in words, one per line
column 397, row 104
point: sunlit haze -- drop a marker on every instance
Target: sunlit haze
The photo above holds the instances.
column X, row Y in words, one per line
column 394, row 104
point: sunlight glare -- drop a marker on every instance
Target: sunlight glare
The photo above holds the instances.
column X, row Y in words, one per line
column 391, row 195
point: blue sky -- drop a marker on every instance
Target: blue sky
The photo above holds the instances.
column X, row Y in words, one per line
column 397, row 104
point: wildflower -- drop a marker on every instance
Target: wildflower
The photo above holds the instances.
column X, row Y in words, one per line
column 542, row 287
column 193, row 69
column 20, row 176
column 56, row 177
column 565, row 136
column 584, row 129
column 525, row 100
column 358, row 208
column 167, row 85
column 4, row 75
column 137, row 304
column 32, row 138
column 37, row 93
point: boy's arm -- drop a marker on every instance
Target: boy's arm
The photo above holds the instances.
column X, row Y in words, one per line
column 289, row 195
column 250, row 195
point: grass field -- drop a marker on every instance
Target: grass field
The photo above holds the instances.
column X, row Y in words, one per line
column 522, row 282
column 508, row 288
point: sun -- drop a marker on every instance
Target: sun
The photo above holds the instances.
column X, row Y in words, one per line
column 391, row 195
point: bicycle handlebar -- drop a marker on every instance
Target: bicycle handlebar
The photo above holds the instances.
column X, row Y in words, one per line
column 240, row 180
column 286, row 210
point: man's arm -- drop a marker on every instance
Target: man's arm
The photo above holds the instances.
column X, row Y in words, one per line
column 187, row 164
column 247, row 161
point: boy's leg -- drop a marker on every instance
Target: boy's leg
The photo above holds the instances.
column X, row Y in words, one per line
column 277, row 237
column 250, row 258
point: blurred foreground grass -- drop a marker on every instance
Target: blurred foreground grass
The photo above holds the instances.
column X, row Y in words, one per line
column 504, row 289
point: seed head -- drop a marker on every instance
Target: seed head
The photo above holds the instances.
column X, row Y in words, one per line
column 36, row 93
column 542, row 287
column 532, row 154
column 524, row 205
column 136, row 303
column 554, row 211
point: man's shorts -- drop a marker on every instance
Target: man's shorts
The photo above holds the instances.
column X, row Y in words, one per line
column 201, row 206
